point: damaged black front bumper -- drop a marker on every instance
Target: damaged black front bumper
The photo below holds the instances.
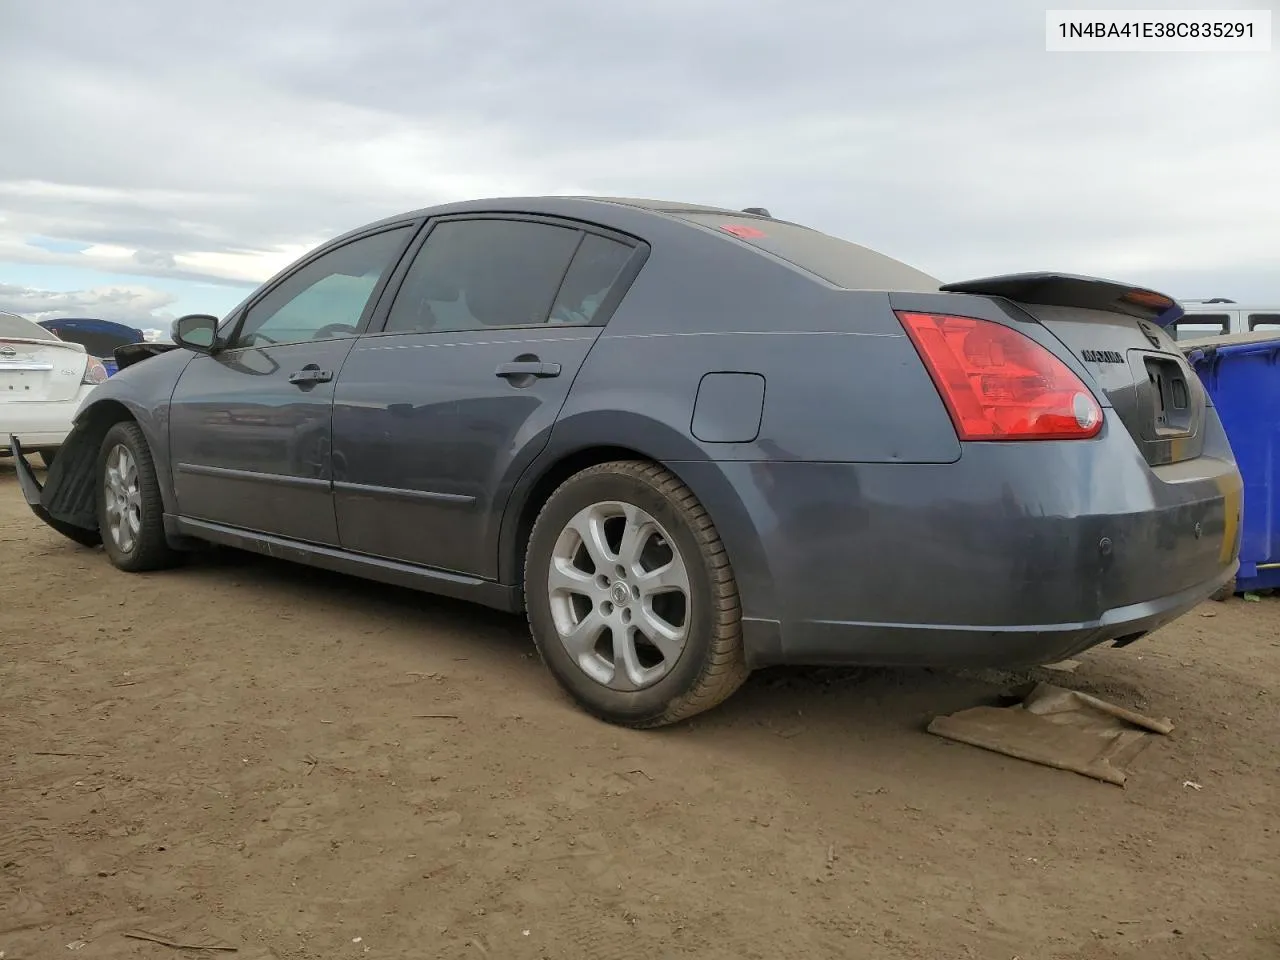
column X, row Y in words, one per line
column 66, row 501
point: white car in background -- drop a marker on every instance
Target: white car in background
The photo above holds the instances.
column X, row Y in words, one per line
column 1220, row 317
column 43, row 381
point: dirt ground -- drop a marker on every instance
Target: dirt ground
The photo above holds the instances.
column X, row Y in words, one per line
column 250, row 754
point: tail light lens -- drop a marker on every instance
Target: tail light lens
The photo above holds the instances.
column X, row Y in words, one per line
column 998, row 384
column 94, row 371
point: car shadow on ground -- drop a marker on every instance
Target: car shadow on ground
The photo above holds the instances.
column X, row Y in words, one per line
column 781, row 699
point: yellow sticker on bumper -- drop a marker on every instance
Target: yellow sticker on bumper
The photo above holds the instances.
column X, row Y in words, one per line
column 1232, row 490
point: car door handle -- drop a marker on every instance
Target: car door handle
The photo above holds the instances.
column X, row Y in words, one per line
column 311, row 375
column 527, row 368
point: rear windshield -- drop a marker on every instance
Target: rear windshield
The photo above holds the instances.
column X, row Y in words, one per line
column 837, row 261
column 20, row 328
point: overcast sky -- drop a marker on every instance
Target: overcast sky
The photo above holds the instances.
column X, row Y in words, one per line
column 158, row 158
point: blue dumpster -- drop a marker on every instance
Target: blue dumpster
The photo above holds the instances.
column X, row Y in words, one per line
column 1241, row 372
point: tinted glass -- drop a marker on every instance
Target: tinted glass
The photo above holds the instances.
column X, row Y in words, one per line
column 11, row 325
column 837, row 261
column 593, row 272
column 1198, row 325
column 480, row 274
column 1264, row 321
column 326, row 298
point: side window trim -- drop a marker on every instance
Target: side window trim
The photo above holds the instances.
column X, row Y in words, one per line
column 555, row 294
column 385, row 298
column 621, row 283
column 370, row 307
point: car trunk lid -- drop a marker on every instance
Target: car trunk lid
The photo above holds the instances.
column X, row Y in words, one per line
column 1117, row 332
column 33, row 370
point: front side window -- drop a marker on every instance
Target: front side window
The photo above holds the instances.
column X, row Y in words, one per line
column 1268, row 322
column 481, row 274
column 325, row 299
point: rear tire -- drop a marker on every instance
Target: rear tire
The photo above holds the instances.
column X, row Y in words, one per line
column 639, row 620
column 130, row 508
column 47, row 455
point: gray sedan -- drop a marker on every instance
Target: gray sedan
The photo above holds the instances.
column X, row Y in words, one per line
column 686, row 441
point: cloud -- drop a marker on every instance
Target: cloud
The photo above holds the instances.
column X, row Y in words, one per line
column 211, row 143
column 125, row 304
column 155, row 258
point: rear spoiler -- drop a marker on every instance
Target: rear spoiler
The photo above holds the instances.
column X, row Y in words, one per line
column 1068, row 290
column 38, row 342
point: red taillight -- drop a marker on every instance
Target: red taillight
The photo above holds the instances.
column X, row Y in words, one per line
column 94, row 371
column 999, row 384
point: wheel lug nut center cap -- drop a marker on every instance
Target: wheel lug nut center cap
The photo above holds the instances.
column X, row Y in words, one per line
column 620, row 594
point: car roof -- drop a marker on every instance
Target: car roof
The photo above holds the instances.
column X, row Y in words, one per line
column 586, row 207
column 643, row 218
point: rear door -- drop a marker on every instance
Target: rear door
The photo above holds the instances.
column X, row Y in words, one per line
column 438, row 412
column 35, row 365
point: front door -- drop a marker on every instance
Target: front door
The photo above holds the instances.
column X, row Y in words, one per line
column 250, row 426
column 437, row 413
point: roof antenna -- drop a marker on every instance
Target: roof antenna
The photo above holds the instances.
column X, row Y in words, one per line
column 758, row 211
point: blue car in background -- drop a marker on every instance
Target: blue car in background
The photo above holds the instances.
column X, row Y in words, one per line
column 98, row 337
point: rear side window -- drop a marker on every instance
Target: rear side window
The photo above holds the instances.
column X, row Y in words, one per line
column 595, row 269
column 1264, row 321
column 482, row 274
column 1195, row 326
column 837, row 261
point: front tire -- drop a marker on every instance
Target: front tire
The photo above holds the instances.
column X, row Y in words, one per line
column 631, row 599
column 130, row 508
column 47, row 455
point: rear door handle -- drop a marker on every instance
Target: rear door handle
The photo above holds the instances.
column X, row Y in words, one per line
column 310, row 374
column 527, row 368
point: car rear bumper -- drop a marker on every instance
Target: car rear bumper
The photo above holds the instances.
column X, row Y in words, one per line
column 1016, row 554
column 39, row 423
column 835, row 642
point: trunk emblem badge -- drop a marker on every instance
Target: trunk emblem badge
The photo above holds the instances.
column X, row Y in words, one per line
column 1146, row 332
column 1102, row 356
